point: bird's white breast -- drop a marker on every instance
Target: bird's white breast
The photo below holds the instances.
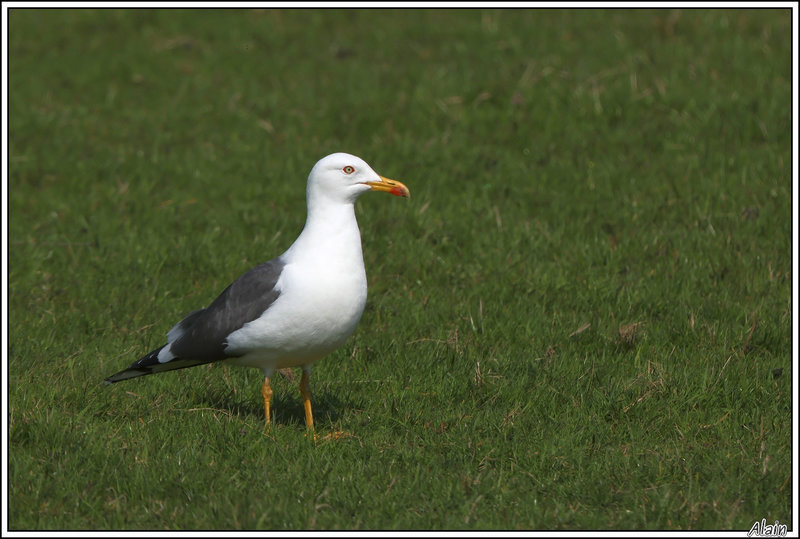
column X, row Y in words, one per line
column 322, row 296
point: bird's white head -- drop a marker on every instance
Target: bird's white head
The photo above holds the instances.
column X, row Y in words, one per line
column 342, row 178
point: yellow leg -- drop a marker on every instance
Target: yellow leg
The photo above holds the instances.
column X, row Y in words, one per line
column 266, row 391
column 306, row 393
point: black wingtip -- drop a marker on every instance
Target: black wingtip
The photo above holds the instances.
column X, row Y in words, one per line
column 149, row 364
column 140, row 367
column 130, row 372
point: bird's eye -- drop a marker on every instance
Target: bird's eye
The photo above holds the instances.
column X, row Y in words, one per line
column 348, row 169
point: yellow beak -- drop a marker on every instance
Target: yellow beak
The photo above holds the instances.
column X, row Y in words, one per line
column 390, row 186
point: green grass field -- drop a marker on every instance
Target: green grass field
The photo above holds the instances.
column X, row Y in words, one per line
column 580, row 320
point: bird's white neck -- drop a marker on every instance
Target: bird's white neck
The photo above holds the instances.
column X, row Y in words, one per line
column 330, row 233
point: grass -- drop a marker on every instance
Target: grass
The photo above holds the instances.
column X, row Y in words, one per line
column 580, row 320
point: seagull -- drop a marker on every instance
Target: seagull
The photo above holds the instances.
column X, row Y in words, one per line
column 294, row 309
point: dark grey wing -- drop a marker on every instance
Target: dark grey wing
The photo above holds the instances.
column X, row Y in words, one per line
column 200, row 337
column 184, row 324
column 203, row 334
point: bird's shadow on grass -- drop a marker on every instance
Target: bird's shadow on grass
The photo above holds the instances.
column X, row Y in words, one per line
column 286, row 409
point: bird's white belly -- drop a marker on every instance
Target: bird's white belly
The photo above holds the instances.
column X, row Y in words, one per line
column 313, row 316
